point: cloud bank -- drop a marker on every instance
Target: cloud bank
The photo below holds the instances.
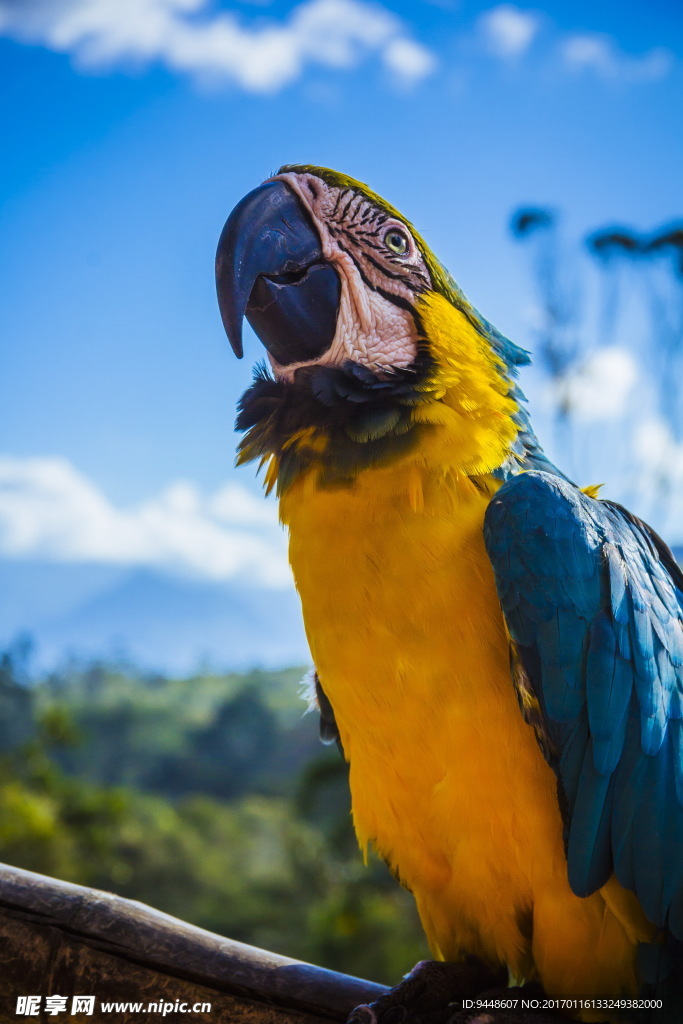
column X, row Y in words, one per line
column 50, row 511
column 592, row 51
column 187, row 37
column 509, row 32
column 261, row 54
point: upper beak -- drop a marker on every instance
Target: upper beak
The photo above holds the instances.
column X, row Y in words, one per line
column 270, row 266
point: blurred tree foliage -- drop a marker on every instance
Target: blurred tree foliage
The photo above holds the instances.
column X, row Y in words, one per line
column 209, row 798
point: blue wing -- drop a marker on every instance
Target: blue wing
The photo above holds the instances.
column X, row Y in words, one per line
column 594, row 604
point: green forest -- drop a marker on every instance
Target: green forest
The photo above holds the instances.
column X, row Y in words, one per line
column 208, row 797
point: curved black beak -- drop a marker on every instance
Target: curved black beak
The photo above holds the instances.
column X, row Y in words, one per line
column 270, row 266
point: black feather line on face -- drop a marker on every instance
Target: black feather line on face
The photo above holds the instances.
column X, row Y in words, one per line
column 366, row 419
column 397, row 300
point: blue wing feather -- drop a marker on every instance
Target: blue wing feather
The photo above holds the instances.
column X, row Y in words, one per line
column 594, row 603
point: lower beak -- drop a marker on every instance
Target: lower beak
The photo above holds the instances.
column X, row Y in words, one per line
column 270, row 266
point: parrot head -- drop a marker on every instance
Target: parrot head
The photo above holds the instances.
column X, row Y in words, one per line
column 372, row 346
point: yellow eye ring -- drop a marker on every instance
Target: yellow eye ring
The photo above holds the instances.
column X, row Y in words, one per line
column 396, row 241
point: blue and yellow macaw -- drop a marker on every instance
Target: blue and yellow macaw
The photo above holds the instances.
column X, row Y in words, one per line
column 500, row 652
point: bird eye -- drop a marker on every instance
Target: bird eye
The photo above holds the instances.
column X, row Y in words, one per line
column 396, row 241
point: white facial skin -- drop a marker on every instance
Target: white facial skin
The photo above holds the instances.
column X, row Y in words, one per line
column 371, row 329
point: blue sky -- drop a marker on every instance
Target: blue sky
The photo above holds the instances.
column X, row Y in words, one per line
column 131, row 127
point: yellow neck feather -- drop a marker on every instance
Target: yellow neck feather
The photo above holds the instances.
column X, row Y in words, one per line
column 469, row 394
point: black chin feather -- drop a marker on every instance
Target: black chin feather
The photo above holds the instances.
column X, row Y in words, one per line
column 365, row 418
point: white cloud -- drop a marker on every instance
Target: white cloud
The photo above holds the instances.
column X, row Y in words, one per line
column 600, row 388
column 409, row 60
column 508, row 30
column 186, row 37
column 658, row 462
column 600, row 54
column 51, row 511
column 656, row 447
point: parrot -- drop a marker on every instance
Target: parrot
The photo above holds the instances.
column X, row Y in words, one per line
column 498, row 652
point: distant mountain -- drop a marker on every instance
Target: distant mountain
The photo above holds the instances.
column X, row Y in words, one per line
column 161, row 621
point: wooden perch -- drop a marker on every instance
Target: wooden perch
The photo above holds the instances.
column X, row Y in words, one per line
column 62, row 939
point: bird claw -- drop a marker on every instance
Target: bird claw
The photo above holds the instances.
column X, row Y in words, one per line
column 426, row 994
column 433, row 993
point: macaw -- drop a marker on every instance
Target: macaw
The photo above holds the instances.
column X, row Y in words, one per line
column 499, row 652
